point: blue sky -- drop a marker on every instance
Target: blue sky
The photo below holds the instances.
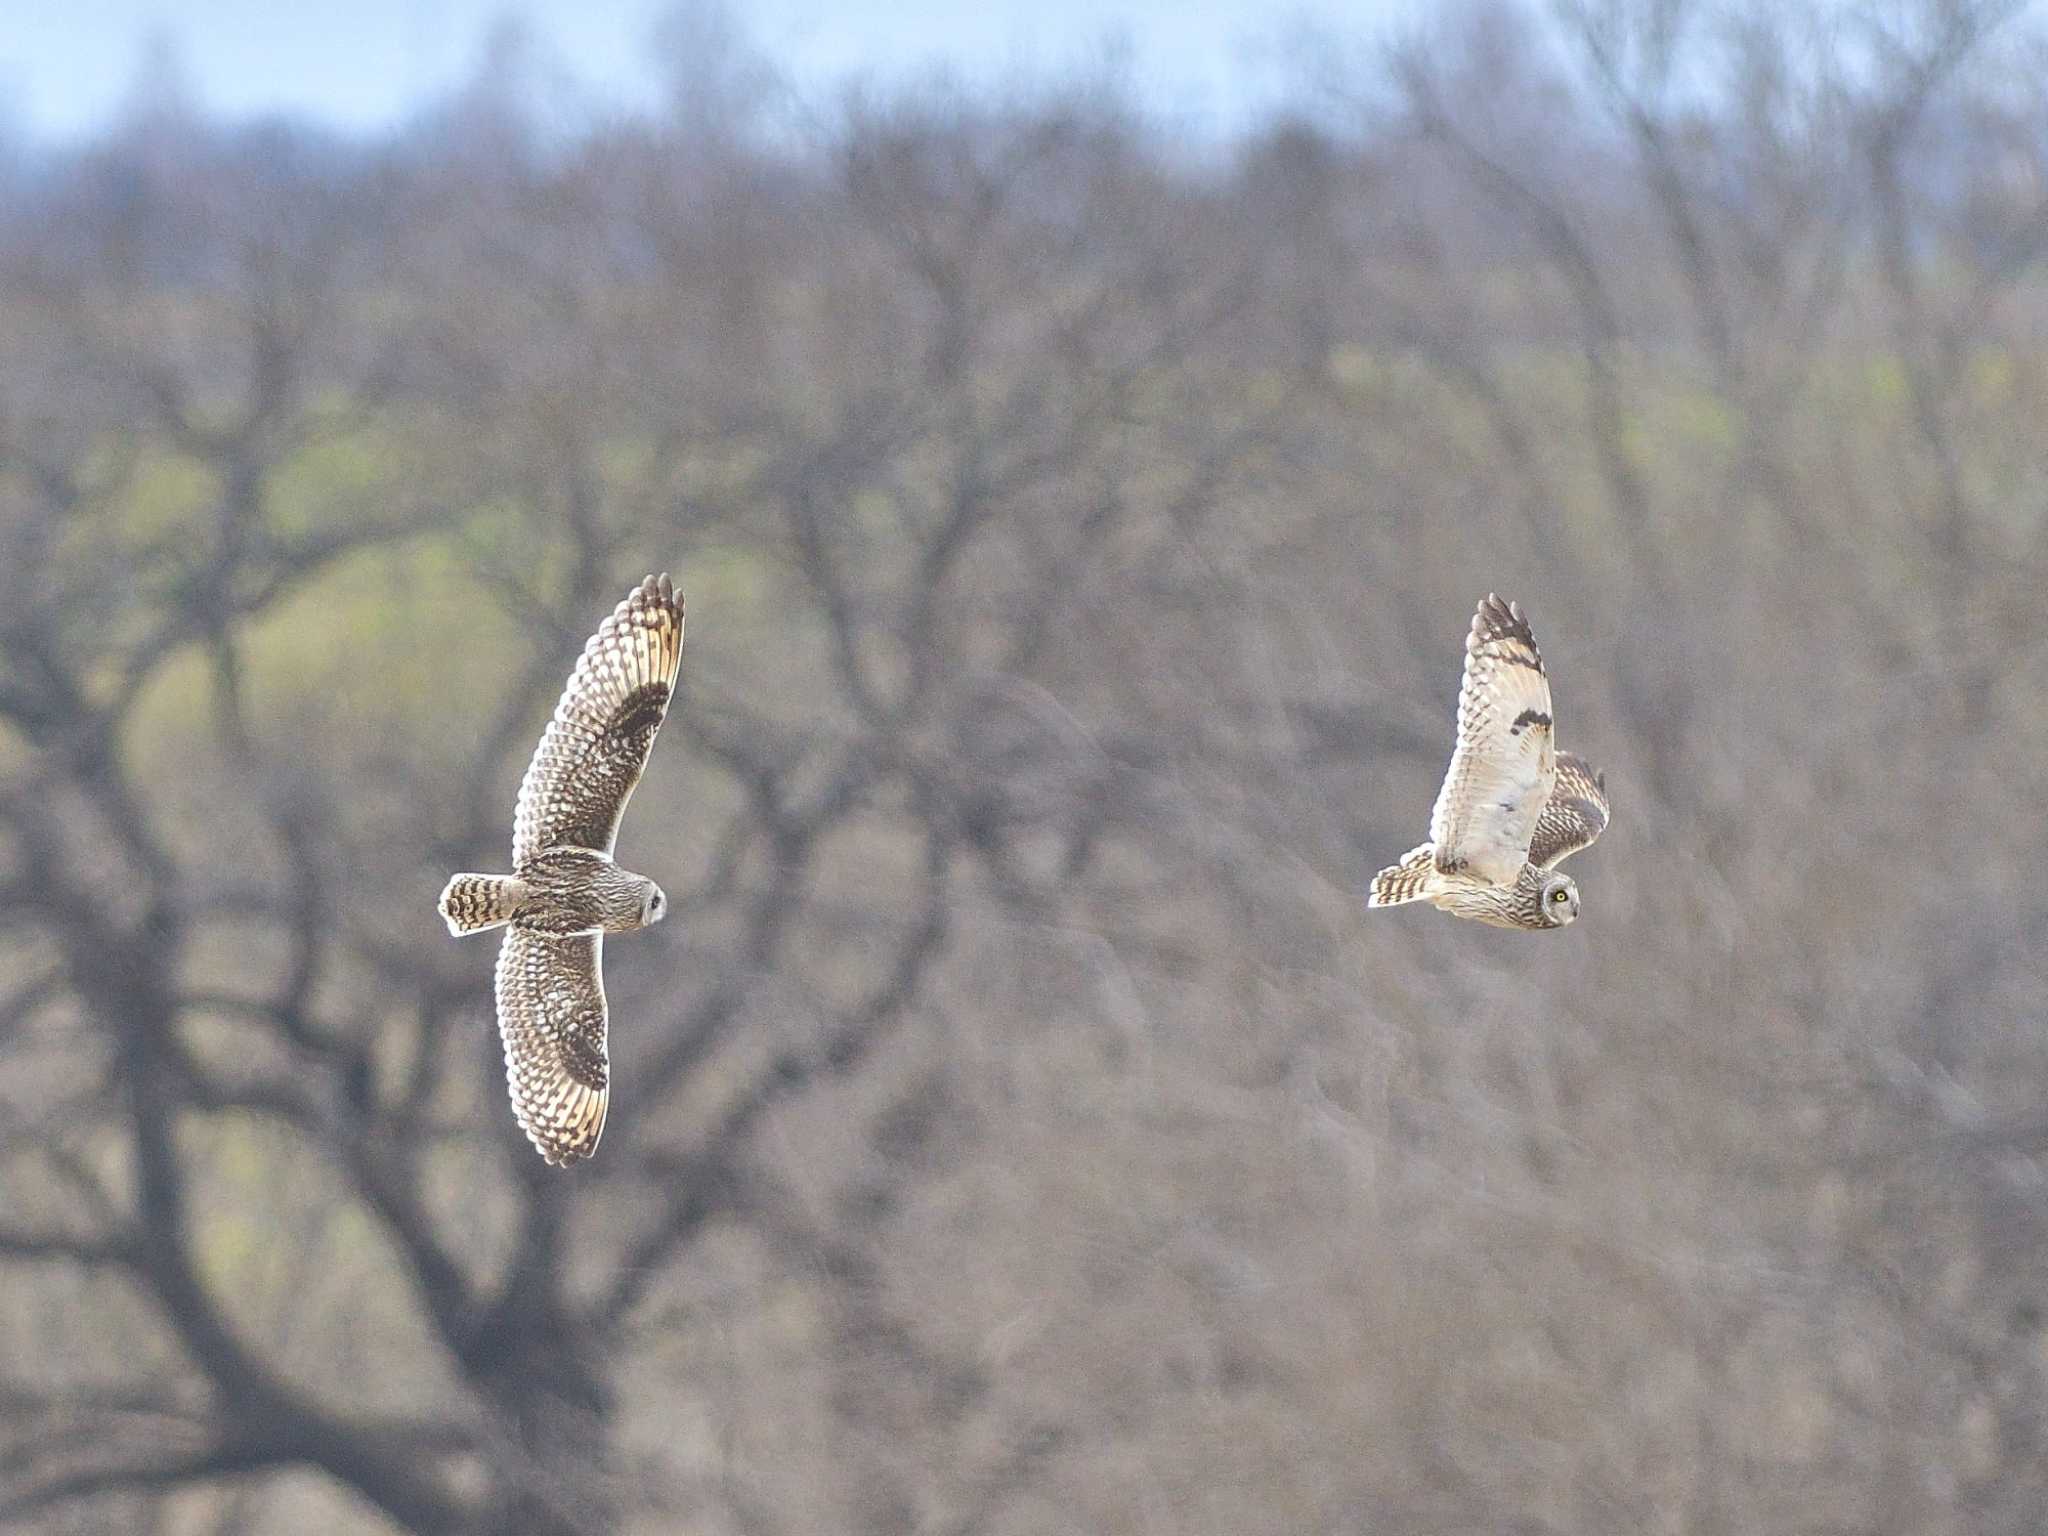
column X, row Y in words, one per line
column 364, row 64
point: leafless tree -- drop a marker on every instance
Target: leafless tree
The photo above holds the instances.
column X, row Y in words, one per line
column 1020, row 1127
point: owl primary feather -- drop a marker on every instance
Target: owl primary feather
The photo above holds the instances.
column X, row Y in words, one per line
column 1512, row 806
column 565, row 892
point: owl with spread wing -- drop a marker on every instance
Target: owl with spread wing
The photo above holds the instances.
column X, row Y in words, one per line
column 1512, row 806
column 565, row 893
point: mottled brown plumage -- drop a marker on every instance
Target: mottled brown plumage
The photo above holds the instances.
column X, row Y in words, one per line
column 1511, row 806
column 592, row 753
column 1573, row 816
column 565, row 892
column 551, row 1013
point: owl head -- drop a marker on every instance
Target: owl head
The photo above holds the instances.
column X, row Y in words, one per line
column 1557, row 901
column 654, row 905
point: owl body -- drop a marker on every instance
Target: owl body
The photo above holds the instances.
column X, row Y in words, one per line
column 1512, row 806
column 1535, row 899
column 565, row 892
column 579, row 890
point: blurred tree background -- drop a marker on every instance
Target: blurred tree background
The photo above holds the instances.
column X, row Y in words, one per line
column 1019, row 1127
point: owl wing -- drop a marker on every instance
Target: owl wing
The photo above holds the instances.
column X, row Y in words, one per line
column 1573, row 816
column 594, row 749
column 1505, row 761
column 551, row 1014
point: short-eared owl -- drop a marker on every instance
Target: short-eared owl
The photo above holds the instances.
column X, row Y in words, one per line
column 564, row 893
column 1512, row 806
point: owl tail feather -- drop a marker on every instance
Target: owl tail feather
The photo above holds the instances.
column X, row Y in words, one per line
column 1405, row 881
column 473, row 903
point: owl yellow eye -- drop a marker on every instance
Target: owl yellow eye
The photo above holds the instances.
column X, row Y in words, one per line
column 1557, row 896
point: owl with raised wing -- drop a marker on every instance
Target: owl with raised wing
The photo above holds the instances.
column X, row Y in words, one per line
column 565, row 892
column 1512, row 806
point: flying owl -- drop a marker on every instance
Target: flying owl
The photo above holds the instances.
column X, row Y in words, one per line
column 1512, row 806
column 564, row 893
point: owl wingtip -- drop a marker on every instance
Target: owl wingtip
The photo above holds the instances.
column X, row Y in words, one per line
column 1496, row 618
column 566, row 1129
column 564, row 1147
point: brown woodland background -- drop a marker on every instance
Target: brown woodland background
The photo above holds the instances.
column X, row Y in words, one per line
column 1020, row 1127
